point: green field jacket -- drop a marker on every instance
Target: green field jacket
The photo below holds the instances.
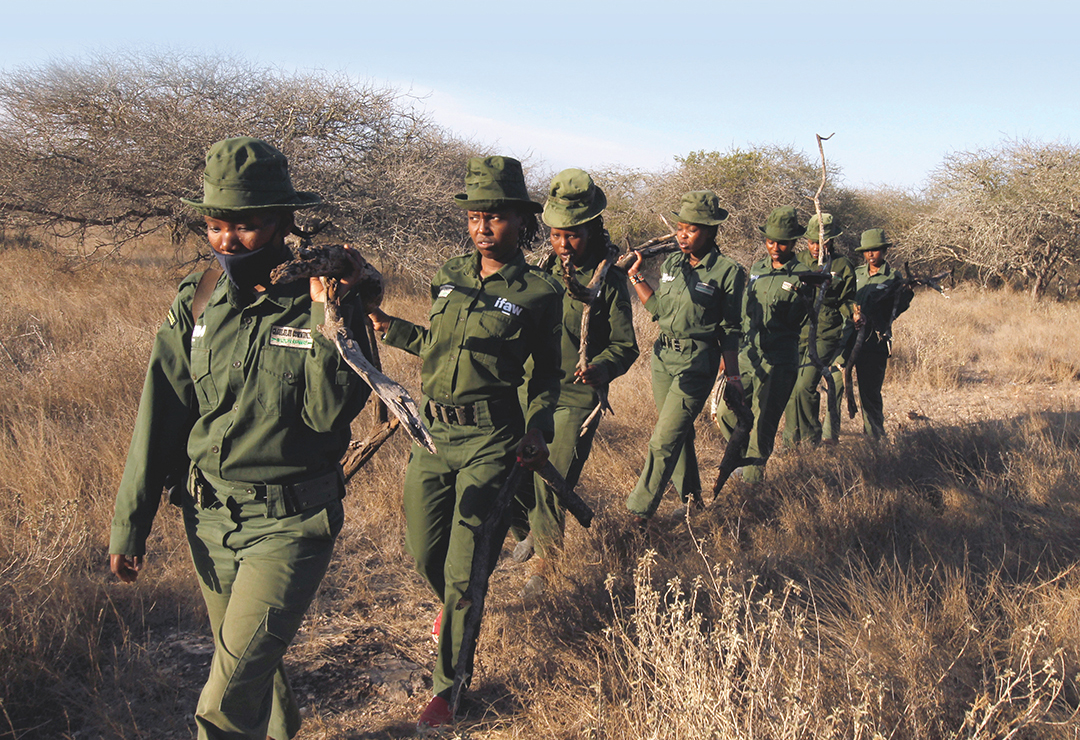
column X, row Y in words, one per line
column 249, row 393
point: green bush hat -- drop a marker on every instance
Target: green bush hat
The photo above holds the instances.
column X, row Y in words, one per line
column 832, row 229
column 492, row 183
column 573, row 199
column 782, row 225
column 700, row 207
column 873, row 239
column 245, row 174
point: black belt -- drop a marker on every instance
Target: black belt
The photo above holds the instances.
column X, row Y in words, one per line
column 672, row 342
column 447, row 414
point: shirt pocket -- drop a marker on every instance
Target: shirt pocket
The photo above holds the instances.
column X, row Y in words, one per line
column 280, row 381
column 495, row 344
column 205, row 388
column 705, row 298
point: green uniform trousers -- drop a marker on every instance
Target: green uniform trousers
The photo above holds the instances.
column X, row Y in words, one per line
column 258, row 576
column 870, row 369
column 440, row 492
column 769, row 388
column 681, row 382
column 568, row 453
column 802, row 417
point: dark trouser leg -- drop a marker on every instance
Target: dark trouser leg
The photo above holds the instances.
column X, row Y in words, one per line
column 258, row 576
column 441, row 491
column 870, row 370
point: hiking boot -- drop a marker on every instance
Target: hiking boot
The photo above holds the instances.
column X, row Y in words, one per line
column 436, row 714
column 523, row 550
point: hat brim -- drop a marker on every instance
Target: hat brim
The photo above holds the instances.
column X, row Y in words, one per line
column 697, row 220
column 562, row 218
column 461, row 200
column 780, row 238
column 817, row 237
column 873, row 247
column 300, row 200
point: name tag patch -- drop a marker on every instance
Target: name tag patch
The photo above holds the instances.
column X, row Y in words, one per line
column 507, row 307
column 286, row 336
column 198, row 331
column 665, row 278
column 705, row 288
column 445, row 291
column 788, row 285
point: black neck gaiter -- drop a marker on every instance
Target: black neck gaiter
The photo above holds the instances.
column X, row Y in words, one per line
column 248, row 269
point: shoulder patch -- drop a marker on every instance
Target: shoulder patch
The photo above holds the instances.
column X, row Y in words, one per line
column 171, row 318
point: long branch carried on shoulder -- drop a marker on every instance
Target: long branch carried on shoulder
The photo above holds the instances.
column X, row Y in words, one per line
column 331, row 262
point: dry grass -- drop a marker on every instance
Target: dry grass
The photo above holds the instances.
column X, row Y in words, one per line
column 925, row 588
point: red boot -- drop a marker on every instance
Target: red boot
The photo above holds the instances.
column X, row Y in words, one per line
column 436, row 714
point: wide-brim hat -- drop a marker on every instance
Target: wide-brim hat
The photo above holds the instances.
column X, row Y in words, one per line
column 246, row 174
column 494, row 183
column 832, row 229
column 873, row 239
column 700, row 207
column 782, row 225
column 573, row 199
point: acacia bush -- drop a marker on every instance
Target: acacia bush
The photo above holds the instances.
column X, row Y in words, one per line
column 1007, row 211
column 97, row 152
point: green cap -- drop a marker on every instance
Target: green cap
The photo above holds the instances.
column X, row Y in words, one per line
column 245, row 174
column 832, row 229
column 873, row 239
column 492, row 183
column 782, row 225
column 700, row 207
column 574, row 199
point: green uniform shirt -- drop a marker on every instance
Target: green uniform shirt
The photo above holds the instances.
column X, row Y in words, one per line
column 611, row 332
column 774, row 312
column 870, row 287
column 250, row 393
column 700, row 302
column 839, row 301
column 481, row 332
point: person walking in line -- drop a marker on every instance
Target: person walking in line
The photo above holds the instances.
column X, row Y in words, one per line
column 872, row 280
column 802, row 417
column 774, row 310
column 490, row 313
column 246, row 398
column 573, row 212
column 698, row 305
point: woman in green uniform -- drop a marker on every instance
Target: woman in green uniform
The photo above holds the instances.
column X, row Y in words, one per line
column 872, row 279
column 698, row 304
column 802, row 418
column 245, row 396
column 490, row 312
column 573, row 212
column 773, row 315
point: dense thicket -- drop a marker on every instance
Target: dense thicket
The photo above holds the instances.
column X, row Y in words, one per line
column 102, row 149
column 1011, row 212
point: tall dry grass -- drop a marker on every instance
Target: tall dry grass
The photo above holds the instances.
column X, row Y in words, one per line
column 922, row 588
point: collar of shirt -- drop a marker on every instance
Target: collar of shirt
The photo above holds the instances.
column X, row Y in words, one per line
column 508, row 273
column 282, row 295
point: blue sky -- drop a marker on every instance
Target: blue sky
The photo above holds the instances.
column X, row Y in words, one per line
column 595, row 84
